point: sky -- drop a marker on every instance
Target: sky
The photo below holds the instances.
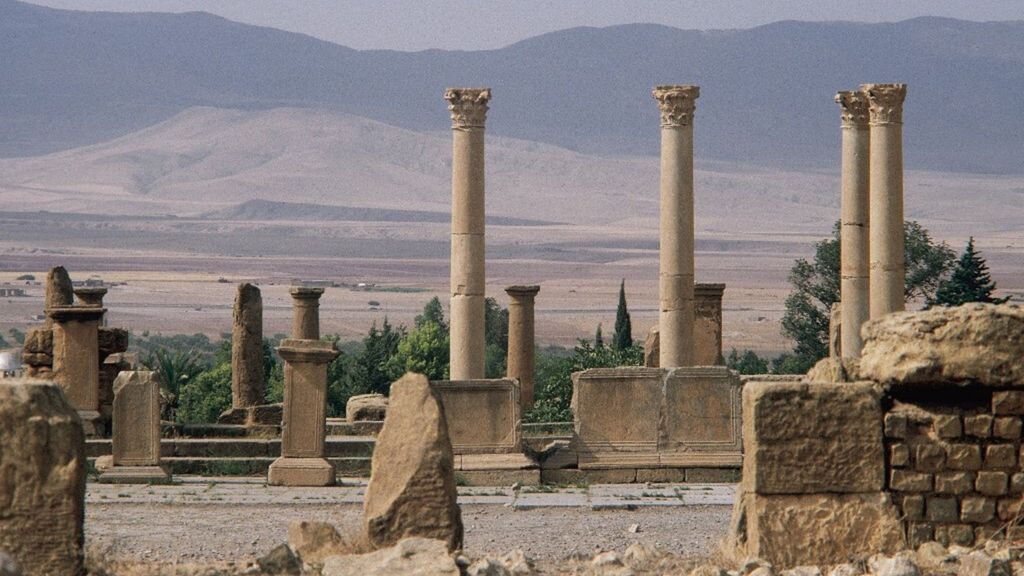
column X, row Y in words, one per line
column 484, row 24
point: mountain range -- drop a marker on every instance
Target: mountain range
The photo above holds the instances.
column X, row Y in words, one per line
column 72, row 79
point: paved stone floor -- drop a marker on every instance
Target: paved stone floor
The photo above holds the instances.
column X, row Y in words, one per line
column 217, row 519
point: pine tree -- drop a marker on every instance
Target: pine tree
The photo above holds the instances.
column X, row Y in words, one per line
column 623, row 337
column 598, row 338
column 969, row 282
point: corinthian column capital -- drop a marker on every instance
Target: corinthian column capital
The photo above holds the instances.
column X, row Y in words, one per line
column 677, row 104
column 854, row 108
column 468, row 106
column 885, row 102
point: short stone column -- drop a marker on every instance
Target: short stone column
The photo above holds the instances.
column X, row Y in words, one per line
column 888, row 269
column 306, row 312
column 76, row 352
column 677, row 105
column 521, row 345
column 302, row 461
column 247, row 348
column 468, row 108
column 59, row 291
column 855, row 219
column 90, row 296
column 136, row 438
column 44, row 468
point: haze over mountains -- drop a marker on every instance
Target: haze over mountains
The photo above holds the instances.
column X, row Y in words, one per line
column 75, row 78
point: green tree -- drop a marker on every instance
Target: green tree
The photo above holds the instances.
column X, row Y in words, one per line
column 969, row 282
column 176, row 368
column 423, row 350
column 816, row 288
column 623, row 337
column 598, row 338
column 747, row 363
column 432, row 312
column 378, row 348
column 204, row 398
column 495, row 338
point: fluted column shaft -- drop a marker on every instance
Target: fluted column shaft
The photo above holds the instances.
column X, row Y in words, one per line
column 888, row 268
column 521, row 343
column 676, row 319
column 468, row 108
column 854, row 230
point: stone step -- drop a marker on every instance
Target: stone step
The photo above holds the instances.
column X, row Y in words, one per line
column 256, row 466
column 342, row 427
column 335, row 447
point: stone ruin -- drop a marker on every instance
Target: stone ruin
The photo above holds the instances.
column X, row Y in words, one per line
column 43, row 467
column 135, row 446
column 91, row 389
column 924, row 445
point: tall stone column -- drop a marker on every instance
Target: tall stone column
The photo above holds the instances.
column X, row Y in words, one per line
column 855, row 219
column 888, row 269
column 521, row 343
column 306, row 312
column 468, row 108
column 247, row 348
column 303, row 431
column 677, row 105
column 76, row 352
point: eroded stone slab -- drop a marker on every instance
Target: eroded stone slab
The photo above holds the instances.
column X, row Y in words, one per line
column 483, row 415
column 804, row 437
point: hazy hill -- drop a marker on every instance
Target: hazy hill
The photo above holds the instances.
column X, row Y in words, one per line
column 77, row 78
column 309, row 165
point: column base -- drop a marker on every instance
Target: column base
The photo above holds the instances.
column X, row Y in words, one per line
column 301, row 472
column 135, row 475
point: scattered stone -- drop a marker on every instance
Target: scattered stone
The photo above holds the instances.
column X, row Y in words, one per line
column 42, row 495
column 410, row 557
column 314, row 541
column 708, row 570
column 882, row 565
column 412, row 480
column 847, row 569
column 751, row 564
column 366, row 407
column 979, row 563
column 519, row 564
column 802, row 571
column 634, row 528
column 280, row 561
column 8, row 567
column 487, row 567
column 931, row 555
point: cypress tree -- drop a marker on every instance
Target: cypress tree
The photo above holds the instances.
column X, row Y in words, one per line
column 623, row 337
column 598, row 338
column 970, row 281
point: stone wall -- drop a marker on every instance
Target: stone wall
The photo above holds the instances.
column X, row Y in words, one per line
column 924, row 444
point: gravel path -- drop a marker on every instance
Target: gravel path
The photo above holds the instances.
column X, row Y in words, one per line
column 210, row 522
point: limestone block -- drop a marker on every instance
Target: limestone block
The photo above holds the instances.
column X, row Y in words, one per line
column 366, row 407
column 42, row 462
column 839, row 449
column 973, row 343
column 112, row 341
column 483, row 415
column 136, row 440
column 701, row 422
column 793, row 530
column 652, row 348
column 313, row 541
column 616, row 413
column 410, row 557
column 412, row 481
column 76, row 355
column 834, row 369
column 39, row 341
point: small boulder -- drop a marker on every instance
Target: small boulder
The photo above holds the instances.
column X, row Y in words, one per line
column 882, row 565
column 280, row 561
column 412, row 476
column 487, row 567
column 372, row 407
column 980, row 563
column 410, row 557
column 931, row 555
column 313, row 542
column 518, row 563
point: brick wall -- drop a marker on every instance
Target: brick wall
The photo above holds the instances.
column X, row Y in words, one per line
column 953, row 462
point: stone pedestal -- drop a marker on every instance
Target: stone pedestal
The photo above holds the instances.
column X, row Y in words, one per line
column 91, row 297
column 306, row 312
column 677, row 105
column 468, row 108
column 136, row 440
column 854, row 232
column 302, row 461
column 247, row 378
column 76, row 359
column 888, row 270
column 521, row 346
